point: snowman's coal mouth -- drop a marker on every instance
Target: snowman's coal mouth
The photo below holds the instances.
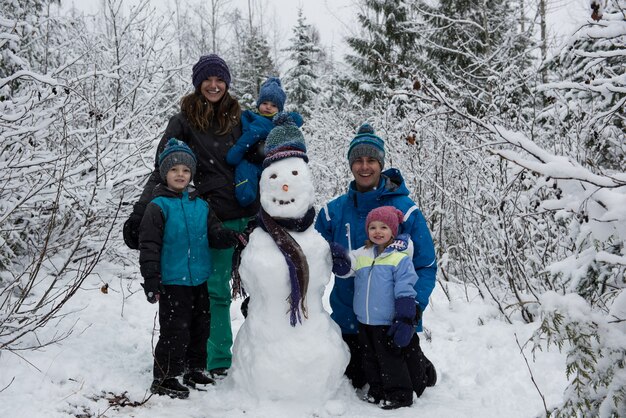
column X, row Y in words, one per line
column 284, row 202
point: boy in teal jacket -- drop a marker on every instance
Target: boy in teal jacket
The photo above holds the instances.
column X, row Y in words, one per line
column 174, row 237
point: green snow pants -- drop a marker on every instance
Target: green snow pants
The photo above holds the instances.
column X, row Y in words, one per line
column 220, row 341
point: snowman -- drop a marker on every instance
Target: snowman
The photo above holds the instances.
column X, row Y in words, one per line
column 288, row 348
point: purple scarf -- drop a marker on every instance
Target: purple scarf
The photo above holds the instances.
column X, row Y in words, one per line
column 296, row 260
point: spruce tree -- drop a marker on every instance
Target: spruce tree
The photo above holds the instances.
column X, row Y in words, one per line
column 383, row 58
column 255, row 66
column 471, row 49
column 301, row 80
column 586, row 98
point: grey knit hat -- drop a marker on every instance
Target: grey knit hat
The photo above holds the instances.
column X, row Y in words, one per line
column 176, row 152
column 366, row 144
column 285, row 140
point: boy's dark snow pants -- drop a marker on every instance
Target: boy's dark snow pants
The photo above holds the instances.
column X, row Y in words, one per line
column 392, row 372
column 185, row 324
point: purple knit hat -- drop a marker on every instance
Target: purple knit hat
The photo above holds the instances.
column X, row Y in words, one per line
column 388, row 215
column 207, row 66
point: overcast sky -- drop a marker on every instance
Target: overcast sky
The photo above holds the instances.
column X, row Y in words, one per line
column 336, row 19
column 332, row 18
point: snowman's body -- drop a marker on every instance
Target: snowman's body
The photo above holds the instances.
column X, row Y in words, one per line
column 271, row 358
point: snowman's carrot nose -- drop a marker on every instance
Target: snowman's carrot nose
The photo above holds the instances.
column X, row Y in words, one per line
column 285, row 187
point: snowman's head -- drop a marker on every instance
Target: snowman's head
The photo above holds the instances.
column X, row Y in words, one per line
column 286, row 188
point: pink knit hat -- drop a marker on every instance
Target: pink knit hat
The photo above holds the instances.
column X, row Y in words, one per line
column 388, row 215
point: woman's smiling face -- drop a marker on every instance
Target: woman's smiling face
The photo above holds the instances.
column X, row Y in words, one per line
column 213, row 89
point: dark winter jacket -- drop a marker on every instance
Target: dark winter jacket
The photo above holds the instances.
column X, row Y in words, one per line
column 380, row 279
column 174, row 238
column 215, row 178
column 345, row 217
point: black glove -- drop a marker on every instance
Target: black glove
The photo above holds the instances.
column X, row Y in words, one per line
column 244, row 306
column 252, row 224
column 237, row 239
column 418, row 313
column 403, row 327
column 153, row 289
column 341, row 260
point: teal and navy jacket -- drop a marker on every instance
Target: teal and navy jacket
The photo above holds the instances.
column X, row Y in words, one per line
column 342, row 220
column 380, row 279
column 174, row 238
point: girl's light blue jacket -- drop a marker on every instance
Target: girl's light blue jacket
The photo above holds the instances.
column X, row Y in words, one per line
column 380, row 279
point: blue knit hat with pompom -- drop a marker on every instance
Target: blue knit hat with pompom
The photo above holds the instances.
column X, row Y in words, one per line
column 367, row 144
column 285, row 140
column 272, row 91
column 176, row 152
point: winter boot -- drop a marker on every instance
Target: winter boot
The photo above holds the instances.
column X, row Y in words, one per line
column 219, row 373
column 373, row 396
column 170, row 387
column 395, row 403
column 431, row 376
column 371, row 399
column 197, row 377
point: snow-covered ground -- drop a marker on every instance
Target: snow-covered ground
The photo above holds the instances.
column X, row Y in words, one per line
column 107, row 361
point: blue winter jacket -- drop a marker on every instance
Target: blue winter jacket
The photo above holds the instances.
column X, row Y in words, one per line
column 255, row 127
column 380, row 279
column 174, row 238
column 342, row 220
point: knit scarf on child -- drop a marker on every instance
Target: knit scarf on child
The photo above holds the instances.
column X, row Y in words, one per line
column 294, row 256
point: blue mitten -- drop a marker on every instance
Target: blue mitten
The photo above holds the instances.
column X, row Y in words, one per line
column 403, row 327
column 341, row 260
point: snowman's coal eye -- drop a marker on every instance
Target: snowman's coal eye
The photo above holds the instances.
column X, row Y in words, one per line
column 273, row 176
column 294, row 172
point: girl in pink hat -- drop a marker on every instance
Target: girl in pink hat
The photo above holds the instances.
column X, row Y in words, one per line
column 385, row 307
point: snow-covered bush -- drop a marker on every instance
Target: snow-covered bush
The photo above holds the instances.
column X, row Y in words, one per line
column 73, row 142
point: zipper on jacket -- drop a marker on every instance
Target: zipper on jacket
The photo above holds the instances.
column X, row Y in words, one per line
column 182, row 206
column 348, row 236
column 367, row 294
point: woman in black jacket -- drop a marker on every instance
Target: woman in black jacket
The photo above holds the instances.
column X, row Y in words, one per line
column 209, row 122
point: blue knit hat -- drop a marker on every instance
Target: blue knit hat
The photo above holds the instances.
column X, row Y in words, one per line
column 285, row 140
column 208, row 66
column 272, row 91
column 366, row 144
column 176, row 152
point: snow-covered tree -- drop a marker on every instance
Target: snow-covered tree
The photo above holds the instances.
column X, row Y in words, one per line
column 585, row 120
column 474, row 51
column 301, row 79
column 72, row 147
column 586, row 97
column 254, row 66
column 383, row 57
